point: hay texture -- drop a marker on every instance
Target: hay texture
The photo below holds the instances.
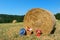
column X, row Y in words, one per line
column 41, row 19
column 14, row 21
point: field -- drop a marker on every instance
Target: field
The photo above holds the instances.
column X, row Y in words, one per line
column 10, row 31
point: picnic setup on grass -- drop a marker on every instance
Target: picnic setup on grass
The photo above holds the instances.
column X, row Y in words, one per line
column 38, row 21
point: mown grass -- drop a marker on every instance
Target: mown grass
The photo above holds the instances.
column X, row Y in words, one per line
column 10, row 31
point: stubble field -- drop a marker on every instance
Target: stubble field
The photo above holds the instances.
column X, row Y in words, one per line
column 10, row 31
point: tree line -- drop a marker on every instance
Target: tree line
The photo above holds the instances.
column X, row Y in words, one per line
column 5, row 18
column 57, row 15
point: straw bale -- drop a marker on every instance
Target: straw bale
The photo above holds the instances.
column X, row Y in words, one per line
column 14, row 21
column 38, row 18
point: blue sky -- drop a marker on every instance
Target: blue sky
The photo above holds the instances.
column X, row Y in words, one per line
column 20, row 7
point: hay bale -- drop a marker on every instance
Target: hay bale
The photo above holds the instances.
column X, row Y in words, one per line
column 14, row 21
column 40, row 19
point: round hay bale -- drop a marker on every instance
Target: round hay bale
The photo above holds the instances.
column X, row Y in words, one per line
column 14, row 21
column 41, row 19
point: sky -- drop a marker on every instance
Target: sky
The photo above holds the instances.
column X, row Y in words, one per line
column 21, row 7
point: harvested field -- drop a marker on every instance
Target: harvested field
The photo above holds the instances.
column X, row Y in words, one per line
column 10, row 31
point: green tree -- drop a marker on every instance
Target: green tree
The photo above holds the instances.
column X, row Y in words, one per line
column 57, row 15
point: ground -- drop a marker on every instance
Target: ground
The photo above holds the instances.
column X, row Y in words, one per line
column 10, row 31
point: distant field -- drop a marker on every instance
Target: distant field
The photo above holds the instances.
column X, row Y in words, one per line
column 10, row 31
